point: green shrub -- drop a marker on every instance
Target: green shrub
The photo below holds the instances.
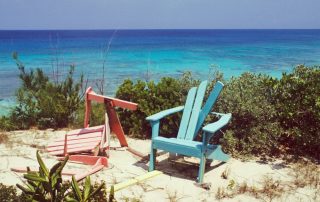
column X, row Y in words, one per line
column 269, row 116
column 297, row 101
column 97, row 116
column 254, row 127
column 152, row 98
column 44, row 103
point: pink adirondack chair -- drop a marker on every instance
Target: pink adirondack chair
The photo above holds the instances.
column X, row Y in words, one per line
column 92, row 140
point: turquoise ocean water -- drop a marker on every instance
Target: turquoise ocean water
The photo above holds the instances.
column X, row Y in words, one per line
column 151, row 54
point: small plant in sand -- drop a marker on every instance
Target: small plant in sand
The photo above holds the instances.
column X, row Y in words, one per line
column 47, row 186
column 173, row 196
column 225, row 173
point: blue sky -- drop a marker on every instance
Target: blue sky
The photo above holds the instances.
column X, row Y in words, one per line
column 159, row 14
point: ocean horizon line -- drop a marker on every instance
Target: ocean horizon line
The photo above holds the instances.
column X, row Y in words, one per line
column 156, row 29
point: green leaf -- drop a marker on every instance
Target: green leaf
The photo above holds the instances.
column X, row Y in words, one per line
column 96, row 191
column 54, row 168
column 75, row 188
column 25, row 190
column 87, row 187
column 69, row 199
column 34, row 178
column 42, row 165
column 111, row 195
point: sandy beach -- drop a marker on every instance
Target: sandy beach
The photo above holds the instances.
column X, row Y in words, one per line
column 177, row 183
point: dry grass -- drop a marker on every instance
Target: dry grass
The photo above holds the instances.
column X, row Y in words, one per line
column 172, row 196
column 304, row 175
column 225, row 173
column 3, row 137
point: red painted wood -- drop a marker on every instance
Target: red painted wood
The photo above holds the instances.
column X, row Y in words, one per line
column 81, row 175
column 86, row 130
column 85, row 159
column 88, row 108
column 84, row 149
column 74, row 138
column 115, row 126
column 92, row 144
column 76, row 141
column 115, row 102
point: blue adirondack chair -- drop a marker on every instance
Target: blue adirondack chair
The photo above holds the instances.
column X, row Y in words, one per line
column 191, row 122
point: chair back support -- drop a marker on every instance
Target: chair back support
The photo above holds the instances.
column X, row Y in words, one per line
column 187, row 113
column 191, row 112
column 209, row 105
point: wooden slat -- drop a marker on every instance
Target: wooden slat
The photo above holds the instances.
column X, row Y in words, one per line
column 186, row 113
column 115, row 102
column 76, row 141
column 136, row 180
column 196, row 110
column 84, row 149
column 209, row 104
column 69, row 147
column 82, row 136
column 85, row 130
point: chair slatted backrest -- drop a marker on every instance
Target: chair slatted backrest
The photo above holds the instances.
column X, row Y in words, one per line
column 208, row 105
column 186, row 113
column 191, row 112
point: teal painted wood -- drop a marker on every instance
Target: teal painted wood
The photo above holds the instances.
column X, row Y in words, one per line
column 164, row 113
column 214, row 127
column 215, row 152
column 184, row 144
column 209, row 105
column 202, row 168
column 152, row 162
column 196, row 110
column 187, row 113
column 155, row 125
column 179, row 146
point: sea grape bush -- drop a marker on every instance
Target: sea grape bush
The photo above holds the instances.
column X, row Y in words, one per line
column 269, row 116
column 297, row 97
column 254, row 127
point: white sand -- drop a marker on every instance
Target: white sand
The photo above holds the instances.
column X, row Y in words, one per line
column 176, row 184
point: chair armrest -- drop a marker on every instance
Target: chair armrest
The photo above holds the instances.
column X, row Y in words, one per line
column 214, row 127
column 162, row 114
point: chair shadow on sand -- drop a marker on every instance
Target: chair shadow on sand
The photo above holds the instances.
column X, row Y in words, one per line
column 180, row 167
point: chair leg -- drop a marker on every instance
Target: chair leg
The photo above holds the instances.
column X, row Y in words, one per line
column 153, row 155
column 201, row 169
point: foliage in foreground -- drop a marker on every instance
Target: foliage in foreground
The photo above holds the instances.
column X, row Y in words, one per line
column 47, row 185
column 269, row 116
column 10, row 194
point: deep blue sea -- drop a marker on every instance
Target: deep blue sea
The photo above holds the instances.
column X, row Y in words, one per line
column 151, row 54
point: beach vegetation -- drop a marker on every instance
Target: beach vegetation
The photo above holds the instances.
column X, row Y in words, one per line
column 47, row 185
column 270, row 116
column 10, row 194
column 42, row 102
